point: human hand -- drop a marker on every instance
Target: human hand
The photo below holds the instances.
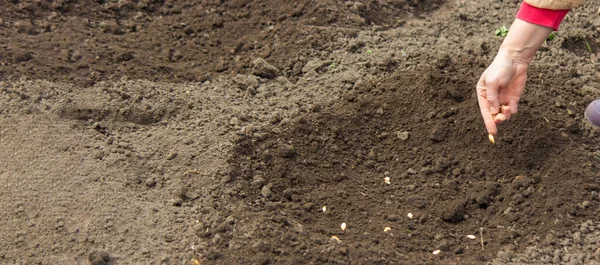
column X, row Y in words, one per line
column 499, row 89
column 501, row 84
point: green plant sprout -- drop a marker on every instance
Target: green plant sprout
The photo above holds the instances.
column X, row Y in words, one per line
column 588, row 47
column 501, row 32
column 550, row 37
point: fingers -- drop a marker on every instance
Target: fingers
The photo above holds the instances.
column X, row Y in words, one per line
column 491, row 89
column 492, row 112
column 513, row 106
column 504, row 114
column 484, row 107
column 488, row 119
column 499, row 118
column 498, row 91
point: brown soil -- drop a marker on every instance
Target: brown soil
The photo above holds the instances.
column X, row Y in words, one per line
column 247, row 132
column 87, row 42
column 445, row 173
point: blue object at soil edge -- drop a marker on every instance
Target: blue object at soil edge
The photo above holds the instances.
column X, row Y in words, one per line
column 592, row 113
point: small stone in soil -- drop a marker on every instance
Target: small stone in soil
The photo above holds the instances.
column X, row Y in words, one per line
column 403, row 135
column 99, row 155
column 585, row 204
column 266, row 190
column 181, row 192
column 257, row 181
column 150, row 182
column 577, row 238
column 99, row 258
column 263, row 69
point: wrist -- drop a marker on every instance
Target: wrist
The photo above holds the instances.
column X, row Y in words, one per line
column 516, row 54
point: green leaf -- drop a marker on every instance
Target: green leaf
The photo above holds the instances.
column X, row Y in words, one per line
column 588, row 47
column 502, row 31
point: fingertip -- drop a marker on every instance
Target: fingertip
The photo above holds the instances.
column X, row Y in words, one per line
column 490, row 125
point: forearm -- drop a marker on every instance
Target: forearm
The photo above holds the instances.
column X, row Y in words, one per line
column 523, row 41
column 529, row 31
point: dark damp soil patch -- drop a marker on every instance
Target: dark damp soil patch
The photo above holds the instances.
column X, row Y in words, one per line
column 84, row 43
column 581, row 45
column 422, row 131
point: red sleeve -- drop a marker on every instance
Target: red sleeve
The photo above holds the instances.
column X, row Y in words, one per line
column 543, row 17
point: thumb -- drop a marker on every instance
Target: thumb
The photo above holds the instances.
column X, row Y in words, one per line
column 492, row 95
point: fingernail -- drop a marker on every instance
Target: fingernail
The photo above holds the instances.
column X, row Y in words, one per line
column 493, row 110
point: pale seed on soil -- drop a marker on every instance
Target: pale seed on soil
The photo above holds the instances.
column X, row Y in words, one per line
column 387, row 229
column 343, row 226
column 519, row 178
column 435, row 252
column 171, row 156
column 324, row 208
column 386, row 180
column 471, row 236
column 410, row 215
column 194, row 262
column 336, row 238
